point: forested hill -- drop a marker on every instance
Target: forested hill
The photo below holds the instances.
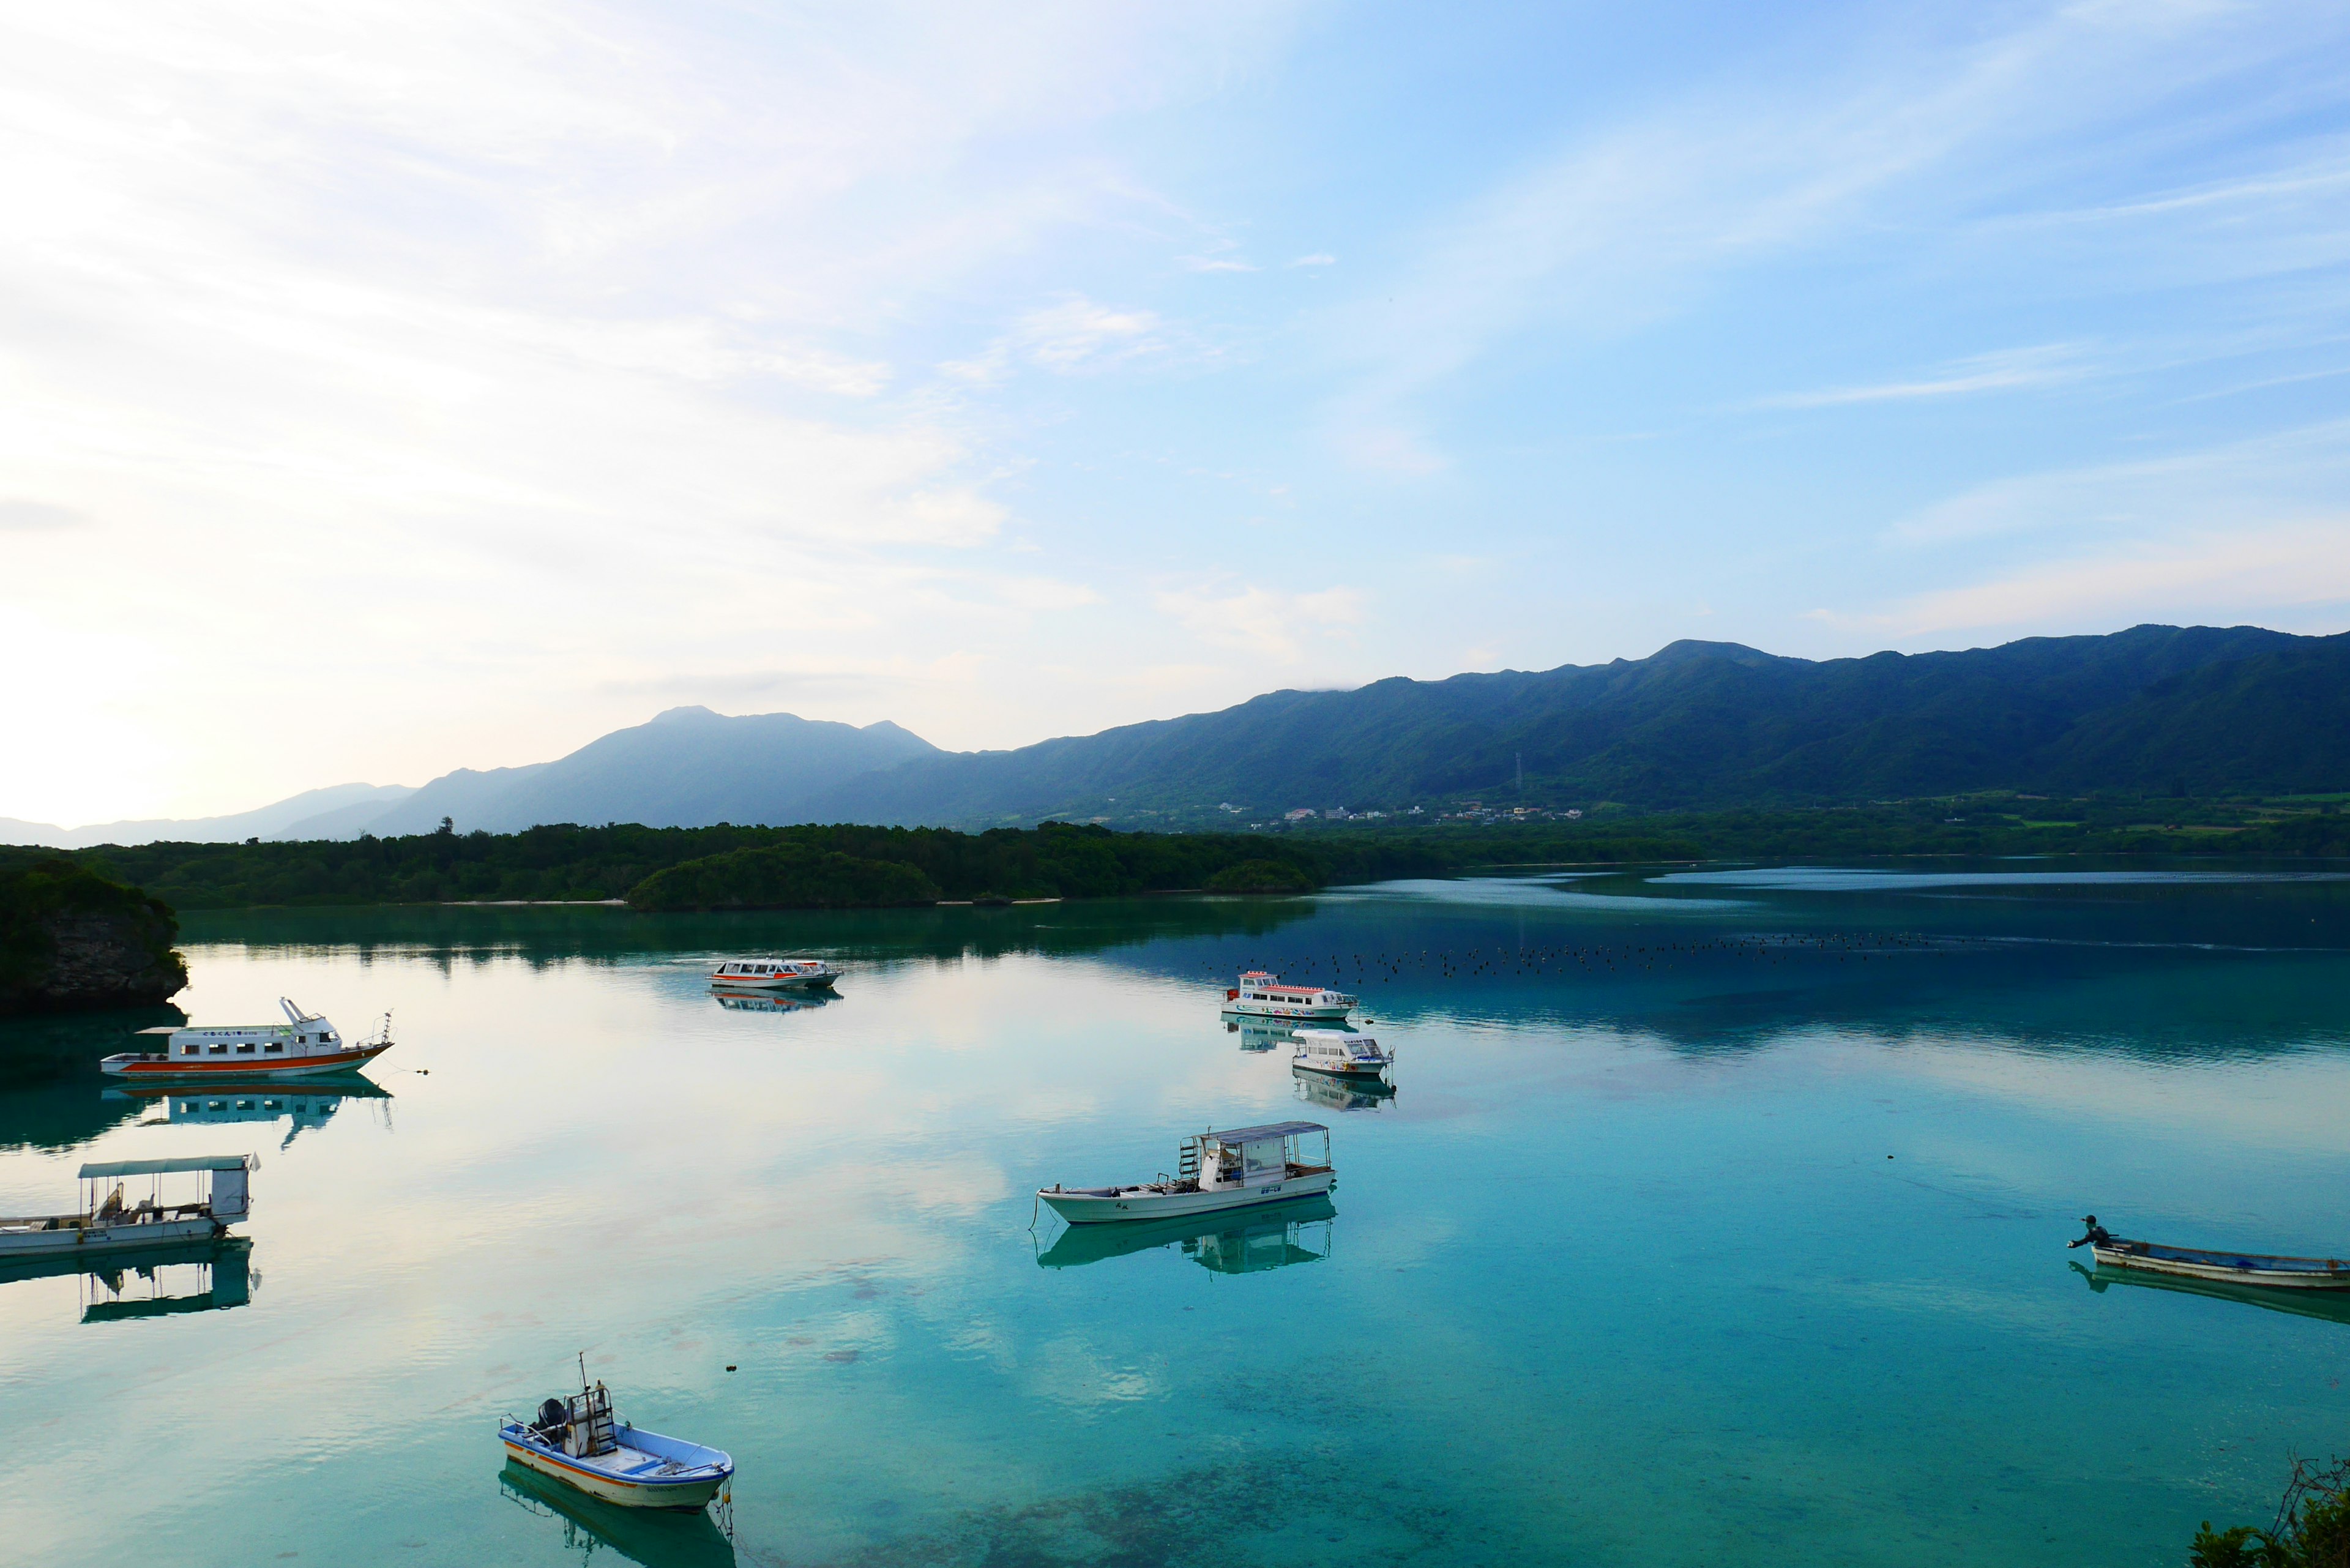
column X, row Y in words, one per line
column 2155, row 710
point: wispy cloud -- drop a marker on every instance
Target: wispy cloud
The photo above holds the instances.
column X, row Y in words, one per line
column 1265, row 621
column 1073, row 335
column 2006, row 370
column 1319, row 258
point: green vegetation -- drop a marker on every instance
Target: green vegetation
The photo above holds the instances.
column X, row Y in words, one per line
column 724, row 867
column 784, row 876
column 70, row 937
column 583, row 863
column 1260, row 877
column 2311, row 1528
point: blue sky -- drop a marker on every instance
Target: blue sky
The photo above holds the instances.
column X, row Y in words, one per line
column 401, row 387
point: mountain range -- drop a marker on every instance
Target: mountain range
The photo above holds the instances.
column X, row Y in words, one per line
column 2154, row 710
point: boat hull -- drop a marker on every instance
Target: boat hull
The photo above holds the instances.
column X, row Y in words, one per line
column 191, row 1070
column 1332, row 1011
column 80, row 1240
column 1348, row 1070
column 690, row 1492
column 1105, row 1206
column 774, row 982
column 2234, row 1268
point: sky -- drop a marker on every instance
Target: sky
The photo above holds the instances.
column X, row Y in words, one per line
column 391, row 388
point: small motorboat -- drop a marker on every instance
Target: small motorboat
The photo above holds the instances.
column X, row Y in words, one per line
column 1214, row 1170
column 2262, row 1269
column 578, row 1441
column 1339, row 1054
column 110, row 1221
column 305, row 1045
column 774, row 974
column 1263, row 995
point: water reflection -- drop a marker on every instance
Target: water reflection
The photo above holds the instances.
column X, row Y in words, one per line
column 306, row 1107
column 769, row 1001
column 1245, row 1242
column 1326, row 1093
column 657, row 1538
column 2332, row 1305
column 160, row 1282
column 1258, row 1035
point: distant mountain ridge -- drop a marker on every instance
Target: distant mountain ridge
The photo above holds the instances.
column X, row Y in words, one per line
column 1697, row 725
column 273, row 821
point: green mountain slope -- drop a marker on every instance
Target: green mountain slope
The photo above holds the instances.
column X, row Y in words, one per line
column 1699, row 724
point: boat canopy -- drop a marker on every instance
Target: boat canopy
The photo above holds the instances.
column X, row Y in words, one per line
column 168, row 1166
column 1270, row 1130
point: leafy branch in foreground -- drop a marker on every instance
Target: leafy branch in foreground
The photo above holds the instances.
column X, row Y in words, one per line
column 2311, row 1528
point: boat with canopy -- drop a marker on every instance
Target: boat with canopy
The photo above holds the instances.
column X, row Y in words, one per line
column 1214, row 1170
column 110, row 1220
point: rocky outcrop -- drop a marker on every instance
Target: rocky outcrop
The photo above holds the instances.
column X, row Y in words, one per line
column 71, row 939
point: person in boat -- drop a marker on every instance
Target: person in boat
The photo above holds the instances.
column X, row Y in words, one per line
column 2096, row 1236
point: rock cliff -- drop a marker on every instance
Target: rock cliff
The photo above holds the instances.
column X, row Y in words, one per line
column 71, row 939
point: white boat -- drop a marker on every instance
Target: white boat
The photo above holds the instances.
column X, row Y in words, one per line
column 1214, row 1170
column 578, row 1441
column 1263, row 995
column 110, row 1221
column 1340, row 1052
column 2265, row 1270
column 774, row 974
column 305, row 1045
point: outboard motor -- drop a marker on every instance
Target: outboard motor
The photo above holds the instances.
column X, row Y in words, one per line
column 550, row 1417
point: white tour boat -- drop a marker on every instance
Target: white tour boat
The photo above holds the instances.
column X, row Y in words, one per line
column 578, row 1441
column 774, row 974
column 303, row 1046
column 1340, row 1052
column 1214, row 1170
column 1263, row 995
column 109, row 1221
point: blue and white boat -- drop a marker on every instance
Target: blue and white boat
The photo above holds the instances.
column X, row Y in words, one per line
column 2264, row 1269
column 578, row 1441
column 1339, row 1054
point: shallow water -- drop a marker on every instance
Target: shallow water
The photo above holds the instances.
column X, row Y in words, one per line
column 1712, row 1219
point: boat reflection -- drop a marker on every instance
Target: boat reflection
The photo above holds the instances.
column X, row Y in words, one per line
column 2330, row 1305
column 770, row 1002
column 1342, row 1094
column 163, row 1282
column 1244, row 1242
column 307, row 1107
column 1257, row 1033
column 657, row 1538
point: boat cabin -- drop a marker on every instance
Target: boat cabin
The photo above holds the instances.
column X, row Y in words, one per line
column 225, row 1193
column 1258, row 986
column 302, row 1035
column 1246, row 1156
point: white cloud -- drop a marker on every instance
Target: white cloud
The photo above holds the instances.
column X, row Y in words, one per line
column 1072, row 336
column 1265, row 621
column 1319, row 258
column 2005, row 370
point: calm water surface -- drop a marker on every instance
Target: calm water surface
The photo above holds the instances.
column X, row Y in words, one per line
column 1716, row 1218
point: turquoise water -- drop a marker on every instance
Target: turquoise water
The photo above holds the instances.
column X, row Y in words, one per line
column 1716, row 1218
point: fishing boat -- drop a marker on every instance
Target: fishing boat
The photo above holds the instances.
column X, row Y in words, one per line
column 109, row 1221
column 1214, row 1170
column 305, row 1045
column 1339, row 1054
column 774, row 974
column 578, row 1441
column 1263, row 995
column 2261, row 1269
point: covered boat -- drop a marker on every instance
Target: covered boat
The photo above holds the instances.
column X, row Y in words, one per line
column 1263, row 995
column 1236, row 1170
column 1339, row 1054
column 578, row 1441
column 2263, row 1269
column 109, row 1221
column 774, row 974
column 305, row 1045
